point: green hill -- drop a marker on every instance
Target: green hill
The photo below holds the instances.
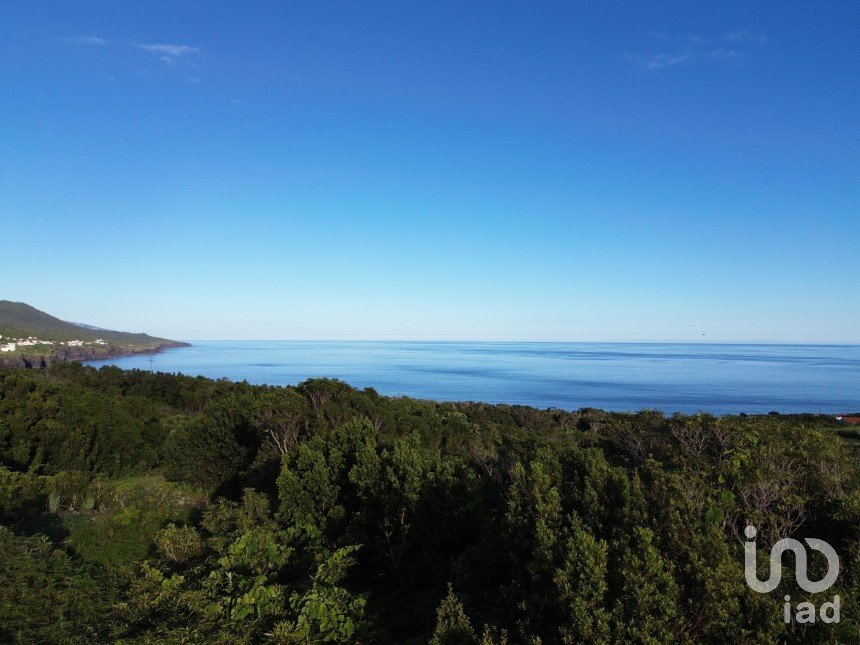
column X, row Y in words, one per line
column 19, row 320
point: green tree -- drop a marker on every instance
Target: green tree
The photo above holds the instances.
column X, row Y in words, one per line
column 582, row 587
column 453, row 626
column 212, row 449
column 646, row 609
column 395, row 487
column 327, row 612
column 309, row 486
column 534, row 522
column 244, row 585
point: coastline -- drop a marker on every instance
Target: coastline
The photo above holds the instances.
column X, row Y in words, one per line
column 719, row 380
column 38, row 360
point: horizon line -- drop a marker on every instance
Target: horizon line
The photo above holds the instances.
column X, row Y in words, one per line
column 532, row 341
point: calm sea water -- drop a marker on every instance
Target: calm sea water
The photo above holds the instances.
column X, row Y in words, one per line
column 613, row 376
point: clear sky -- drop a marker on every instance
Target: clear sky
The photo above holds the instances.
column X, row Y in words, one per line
column 434, row 170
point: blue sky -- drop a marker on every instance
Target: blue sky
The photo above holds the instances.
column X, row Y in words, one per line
column 404, row 170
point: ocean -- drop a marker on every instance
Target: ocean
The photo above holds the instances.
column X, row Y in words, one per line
column 671, row 377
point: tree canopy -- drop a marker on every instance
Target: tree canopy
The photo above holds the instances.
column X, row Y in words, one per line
column 142, row 507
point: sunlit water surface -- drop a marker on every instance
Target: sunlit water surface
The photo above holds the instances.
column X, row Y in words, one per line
column 716, row 378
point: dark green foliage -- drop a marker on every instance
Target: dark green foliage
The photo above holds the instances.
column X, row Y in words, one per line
column 46, row 596
column 582, row 586
column 211, row 449
column 21, row 493
column 647, row 593
column 162, row 508
column 49, row 428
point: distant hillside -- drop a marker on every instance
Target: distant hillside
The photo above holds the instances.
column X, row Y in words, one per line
column 19, row 320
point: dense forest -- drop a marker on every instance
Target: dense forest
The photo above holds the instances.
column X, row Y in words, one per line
column 140, row 507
